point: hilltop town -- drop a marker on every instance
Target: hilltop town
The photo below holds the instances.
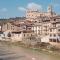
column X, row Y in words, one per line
column 35, row 27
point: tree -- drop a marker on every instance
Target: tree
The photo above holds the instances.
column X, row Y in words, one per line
column 9, row 34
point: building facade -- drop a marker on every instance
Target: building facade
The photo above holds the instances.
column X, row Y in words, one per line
column 46, row 25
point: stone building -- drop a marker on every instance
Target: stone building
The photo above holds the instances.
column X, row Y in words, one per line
column 46, row 25
column 17, row 30
column 33, row 14
column 21, row 35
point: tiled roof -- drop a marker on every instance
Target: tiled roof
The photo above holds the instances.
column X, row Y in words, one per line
column 24, row 31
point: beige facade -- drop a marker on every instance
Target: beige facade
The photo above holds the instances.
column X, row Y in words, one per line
column 45, row 24
column 33, row 14
column 55, row 33
column 18, row 31
column 21, row 35
column 9, row 26
column 48, row 29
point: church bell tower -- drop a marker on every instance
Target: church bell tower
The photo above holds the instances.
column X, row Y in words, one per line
column 49, row 10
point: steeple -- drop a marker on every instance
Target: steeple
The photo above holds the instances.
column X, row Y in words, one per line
column 49, row 10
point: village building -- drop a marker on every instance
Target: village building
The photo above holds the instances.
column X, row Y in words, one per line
column 33, row 14
column 20, row 35
column 17, row 30
column 44, row 26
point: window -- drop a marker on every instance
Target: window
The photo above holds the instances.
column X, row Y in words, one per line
column 59, row 35
column 58, row 40
column 39, row 21
column 35, row 21
column 54, row 19
column 54, row 35
column 54, row 40
column 46, row 34
column 32, row 15
column 50, row 35
column 50, row 30
column 31, row 34
column 50, row 40
column 58, row 29
column 24, row 35
column 11, row 27
column 54, row 25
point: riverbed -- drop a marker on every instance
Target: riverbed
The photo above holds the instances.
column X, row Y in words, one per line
column 20, row 53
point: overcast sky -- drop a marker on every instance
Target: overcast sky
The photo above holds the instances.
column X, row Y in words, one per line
column 17, row 8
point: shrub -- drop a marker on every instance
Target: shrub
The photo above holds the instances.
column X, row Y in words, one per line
column 52, row 48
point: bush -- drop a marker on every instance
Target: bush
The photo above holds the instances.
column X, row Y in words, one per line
column 44, row 45
column 37, row 44
column 41, row 45
column 17, row 43
column 53, row 48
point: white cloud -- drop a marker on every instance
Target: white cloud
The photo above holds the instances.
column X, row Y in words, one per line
column 3, row 10
column 34, row 6
column 21, row 9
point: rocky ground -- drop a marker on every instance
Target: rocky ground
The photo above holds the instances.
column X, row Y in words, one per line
column 19, row 53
